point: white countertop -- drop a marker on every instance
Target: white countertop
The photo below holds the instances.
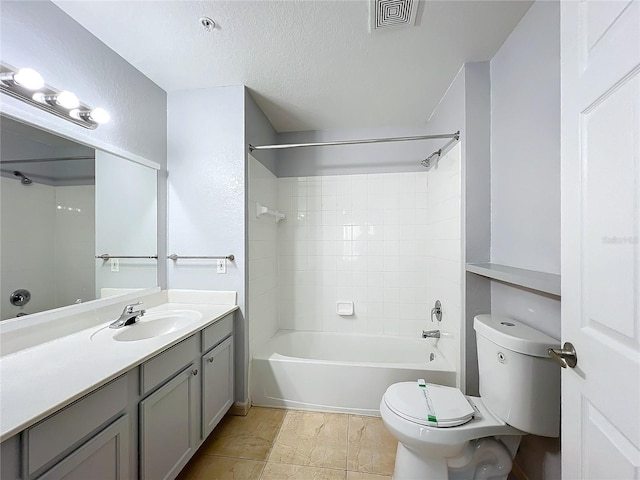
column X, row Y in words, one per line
column 39, row 380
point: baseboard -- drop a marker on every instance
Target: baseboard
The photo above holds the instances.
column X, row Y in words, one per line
column 240, row 408
column 517, row 473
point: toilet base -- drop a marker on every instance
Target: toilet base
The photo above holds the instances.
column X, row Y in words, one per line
column 482, row 459
column 411, row 466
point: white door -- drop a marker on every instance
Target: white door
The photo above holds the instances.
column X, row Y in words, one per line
column 600, row 50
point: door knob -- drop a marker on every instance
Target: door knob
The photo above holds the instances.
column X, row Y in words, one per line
column 565, row 356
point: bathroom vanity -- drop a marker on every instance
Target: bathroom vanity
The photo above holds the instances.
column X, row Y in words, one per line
column 123, row 402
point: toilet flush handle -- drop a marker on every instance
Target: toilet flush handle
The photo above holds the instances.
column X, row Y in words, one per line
column 566, row 356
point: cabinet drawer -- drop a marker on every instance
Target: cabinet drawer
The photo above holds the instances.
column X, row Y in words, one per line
column 214, row 334
column 56, row 434
column 163, row 366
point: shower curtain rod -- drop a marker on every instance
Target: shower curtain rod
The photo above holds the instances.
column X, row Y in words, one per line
column 454, row 136
column 38, row 160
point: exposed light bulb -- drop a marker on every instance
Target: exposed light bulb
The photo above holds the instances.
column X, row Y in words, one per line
column 39, row 97
column 28, row 78
column 99, row 115
column 67, row 100
column 64, row 99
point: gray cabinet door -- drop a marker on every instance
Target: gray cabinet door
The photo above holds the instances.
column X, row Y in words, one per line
column 104, row 457
column 217, row 385
column 168, row 426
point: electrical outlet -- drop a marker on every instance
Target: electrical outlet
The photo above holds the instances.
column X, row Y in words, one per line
column 115, row 265
column 222, row 266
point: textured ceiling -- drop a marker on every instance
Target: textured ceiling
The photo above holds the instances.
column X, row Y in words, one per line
column 310, row 65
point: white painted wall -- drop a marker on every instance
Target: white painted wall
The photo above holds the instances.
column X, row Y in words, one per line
column 525, row 162
column 525, row 185
column 262, row 264
column 40, row 35
column 206, row 204
column 525, row 143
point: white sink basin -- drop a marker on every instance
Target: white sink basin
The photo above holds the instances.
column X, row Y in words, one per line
column 153, row 325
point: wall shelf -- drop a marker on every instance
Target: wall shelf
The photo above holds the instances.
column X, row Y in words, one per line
column 543, row 282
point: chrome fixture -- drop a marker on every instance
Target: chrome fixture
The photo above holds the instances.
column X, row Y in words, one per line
column 27, row 85
column 106, row 256
column 229, row 257
column 437, row 311
column 454, row 137
column 129, row 316
column 431, row 334
column 433, row 159
column 24, row 180
column 427, row 162
column 565, row 357
column 353, row 142
column 20, row 297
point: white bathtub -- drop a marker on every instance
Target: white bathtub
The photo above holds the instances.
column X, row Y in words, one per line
column 335, row 372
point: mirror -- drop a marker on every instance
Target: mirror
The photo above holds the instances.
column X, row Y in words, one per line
column 61, row 205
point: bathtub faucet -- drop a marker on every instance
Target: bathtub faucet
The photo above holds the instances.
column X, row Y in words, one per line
column 430, row 333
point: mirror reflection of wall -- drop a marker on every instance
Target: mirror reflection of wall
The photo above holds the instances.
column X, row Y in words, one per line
column 126, row 206
column 48, row 218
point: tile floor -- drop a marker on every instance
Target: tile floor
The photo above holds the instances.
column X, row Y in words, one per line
column 275, row 444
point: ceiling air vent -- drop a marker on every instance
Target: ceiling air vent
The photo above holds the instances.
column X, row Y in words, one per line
column 388, row 14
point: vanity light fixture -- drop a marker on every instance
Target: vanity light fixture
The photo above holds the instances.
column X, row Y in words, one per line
column 97, row 115
column 28, row 85
column 27, row 78
column 63, row 99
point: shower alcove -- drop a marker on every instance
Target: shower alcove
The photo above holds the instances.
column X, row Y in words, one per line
column 386, row 240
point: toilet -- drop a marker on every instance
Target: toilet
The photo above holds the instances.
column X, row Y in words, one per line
column 443, row 434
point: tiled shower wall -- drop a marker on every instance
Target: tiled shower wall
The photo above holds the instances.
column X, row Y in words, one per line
column 390, row 243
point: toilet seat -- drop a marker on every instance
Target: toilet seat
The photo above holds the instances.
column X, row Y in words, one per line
column 429, row 404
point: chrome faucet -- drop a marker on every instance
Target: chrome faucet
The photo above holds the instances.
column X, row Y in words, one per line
column 430, row 333
column 129, row 316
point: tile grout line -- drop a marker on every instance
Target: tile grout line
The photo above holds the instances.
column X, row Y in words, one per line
column 275, row 439
column 346, row 463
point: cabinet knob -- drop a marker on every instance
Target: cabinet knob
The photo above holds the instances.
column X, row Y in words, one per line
column 210, row 359
column 194, row 371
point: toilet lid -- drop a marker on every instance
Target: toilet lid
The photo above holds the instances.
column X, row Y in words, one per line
column 429, row 404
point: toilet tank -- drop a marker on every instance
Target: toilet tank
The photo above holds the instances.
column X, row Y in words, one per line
column 519, row 383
